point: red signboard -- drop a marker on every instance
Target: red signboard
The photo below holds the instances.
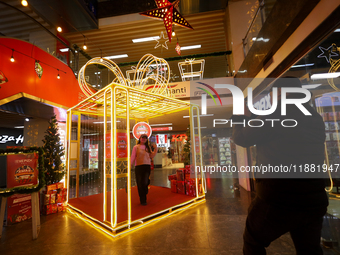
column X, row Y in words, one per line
column 141, row 128
column 22, row 170
column 121, row 145
column 162, row 129
column 19, row 208
column 108, row 145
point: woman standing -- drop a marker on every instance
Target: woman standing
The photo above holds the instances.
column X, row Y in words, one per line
column 141, row 158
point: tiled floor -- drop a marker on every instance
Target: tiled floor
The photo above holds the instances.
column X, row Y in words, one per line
column 214, row 227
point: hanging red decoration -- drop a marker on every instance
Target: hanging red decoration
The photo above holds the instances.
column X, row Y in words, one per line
column 178, row 48
column 168, row 13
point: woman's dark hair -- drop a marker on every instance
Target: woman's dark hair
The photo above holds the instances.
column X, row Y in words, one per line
column 147, row 146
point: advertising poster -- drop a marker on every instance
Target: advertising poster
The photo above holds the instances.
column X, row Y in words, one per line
column 19, row 208
column 93, row 156
column 22, row 170
column 122, row 145
column 108, row 145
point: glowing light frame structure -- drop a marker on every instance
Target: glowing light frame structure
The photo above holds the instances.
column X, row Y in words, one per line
column 190, row 74
column 125, row 102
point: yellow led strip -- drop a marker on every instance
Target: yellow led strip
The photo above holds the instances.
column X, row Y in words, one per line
column 144, row 224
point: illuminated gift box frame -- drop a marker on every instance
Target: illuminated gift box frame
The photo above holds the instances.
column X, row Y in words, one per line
column 125, row 102
column 191, row 73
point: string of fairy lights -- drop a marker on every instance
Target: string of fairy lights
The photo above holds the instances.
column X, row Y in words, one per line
column 14, row 51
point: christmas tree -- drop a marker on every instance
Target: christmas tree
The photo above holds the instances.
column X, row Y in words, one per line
column 186, row 148
column 54, row 151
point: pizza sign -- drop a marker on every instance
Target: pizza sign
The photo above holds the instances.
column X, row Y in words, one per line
column 22, row 170
column 141, row 128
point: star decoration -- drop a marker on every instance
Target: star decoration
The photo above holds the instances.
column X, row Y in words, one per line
column 162, row 41
column 178, row 48
column 169, row 14
column 327, row 53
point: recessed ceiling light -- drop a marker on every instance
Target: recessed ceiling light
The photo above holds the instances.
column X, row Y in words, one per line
column 204, row 115
column 325, row 75
column 191, row 47
column 19, row 127
column 117, row 56
column 295, row 66
column 64, row 50
column 146, row 39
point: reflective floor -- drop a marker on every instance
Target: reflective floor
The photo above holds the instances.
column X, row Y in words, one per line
column 214, row 227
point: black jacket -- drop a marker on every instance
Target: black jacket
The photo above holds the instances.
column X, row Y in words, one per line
column 287, row 146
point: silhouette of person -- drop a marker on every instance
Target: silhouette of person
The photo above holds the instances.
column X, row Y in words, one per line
column 284, row 203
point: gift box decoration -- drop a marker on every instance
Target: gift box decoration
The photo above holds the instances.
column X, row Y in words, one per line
column 172, row 177
column 174, row 186
column 181, row 187
column 180, row 174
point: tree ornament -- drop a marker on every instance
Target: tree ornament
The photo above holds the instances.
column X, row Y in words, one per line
column 167, row 12
column 178, row 48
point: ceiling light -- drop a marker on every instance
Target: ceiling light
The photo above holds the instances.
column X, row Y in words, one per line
column 27, row 119
column 166, row 124
column 337, row 30
column 84, row 46
column 117, row 56
column 325, row 75
column 173, row 33
column 24, row 3
column 19, row 127
column 296, row 66
column 146, row 39
column 311, row 86
column 12, row 58
column 191, row 47
column 59, row 29
column 64, row 50
column 58, row 77
column 191, row 75
column 204, row 115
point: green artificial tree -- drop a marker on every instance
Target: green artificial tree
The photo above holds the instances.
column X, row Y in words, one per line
column 186, row 148
column 53, row 152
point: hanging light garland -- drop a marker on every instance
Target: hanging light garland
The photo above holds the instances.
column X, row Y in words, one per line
column 37, row 62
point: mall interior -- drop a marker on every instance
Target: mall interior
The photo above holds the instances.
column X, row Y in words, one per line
column 90, row 62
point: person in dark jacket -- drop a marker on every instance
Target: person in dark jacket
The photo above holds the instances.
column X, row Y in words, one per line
column 284, row 203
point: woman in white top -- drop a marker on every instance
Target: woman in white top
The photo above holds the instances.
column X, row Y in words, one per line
column 141, row 158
